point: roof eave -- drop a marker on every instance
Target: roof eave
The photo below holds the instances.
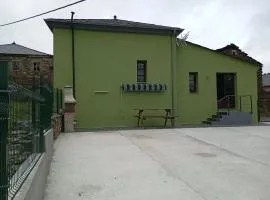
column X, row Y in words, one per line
column 49, row 24
column 178, row 31
column 53, row 24
column 28, row 55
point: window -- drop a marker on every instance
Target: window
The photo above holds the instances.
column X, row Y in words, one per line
column 234, row 52
column 36, row 66
column 15, row 66
column 193, row 82
column 141, row 71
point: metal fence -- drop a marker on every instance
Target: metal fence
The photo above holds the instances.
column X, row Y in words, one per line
column 58, row 100
column 25, row 115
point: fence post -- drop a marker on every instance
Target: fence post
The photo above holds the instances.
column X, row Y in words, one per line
column 34, row 112
column 61, row 99
column 50, row 106
column 57, row 100
column 62, row 113
column 4, row 114
column 42, row 116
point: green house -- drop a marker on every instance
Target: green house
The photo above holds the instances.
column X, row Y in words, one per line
column 118, row 66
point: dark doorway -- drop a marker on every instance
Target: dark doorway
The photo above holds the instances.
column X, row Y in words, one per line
column 226, row 90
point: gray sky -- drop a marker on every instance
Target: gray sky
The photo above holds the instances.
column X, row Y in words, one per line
column 212, row 23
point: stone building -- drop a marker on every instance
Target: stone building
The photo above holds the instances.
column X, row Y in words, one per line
column 265, row 111
column 266, row 82
column 25, row 63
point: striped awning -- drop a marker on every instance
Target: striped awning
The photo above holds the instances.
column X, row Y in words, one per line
column 143, row 87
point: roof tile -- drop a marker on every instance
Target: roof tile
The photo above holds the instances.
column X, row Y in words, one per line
column 16, row 49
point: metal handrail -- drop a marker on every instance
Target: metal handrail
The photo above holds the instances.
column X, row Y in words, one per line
column 229, row 103
column 240, row 103
column 251, row 102
column 223, row 98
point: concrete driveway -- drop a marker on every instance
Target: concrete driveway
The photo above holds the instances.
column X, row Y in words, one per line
column 189, row 164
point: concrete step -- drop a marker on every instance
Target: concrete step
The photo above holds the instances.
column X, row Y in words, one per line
column 222, row 113
column 207, row 122
column 217, row 116
column 232, row 118
column 213, row 119
column 238, row 118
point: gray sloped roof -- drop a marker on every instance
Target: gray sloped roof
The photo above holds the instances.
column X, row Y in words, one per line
column 113, row 25
column 266, row 79
column 245, row 59
column 244, row 56
column 15, row 49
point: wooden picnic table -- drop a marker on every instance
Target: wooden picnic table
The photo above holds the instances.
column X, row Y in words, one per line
column 143, row 114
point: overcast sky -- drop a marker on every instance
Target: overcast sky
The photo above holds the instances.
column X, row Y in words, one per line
column 212, row 23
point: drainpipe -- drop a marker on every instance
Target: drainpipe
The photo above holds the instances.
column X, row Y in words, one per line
column 173, row 70
column 73, row 54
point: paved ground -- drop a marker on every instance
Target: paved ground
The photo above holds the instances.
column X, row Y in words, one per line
column 189, row 164
column 265, row 119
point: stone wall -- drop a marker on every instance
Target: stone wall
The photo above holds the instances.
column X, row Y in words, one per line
column 22, row 68
column 57, row 120
column 266, row 88
column 265, row 105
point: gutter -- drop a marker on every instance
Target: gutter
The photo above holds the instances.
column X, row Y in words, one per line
column 73, row 55
column 173, row 71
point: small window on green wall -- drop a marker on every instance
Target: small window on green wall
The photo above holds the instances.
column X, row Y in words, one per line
column 141, row 71
column 193, row 82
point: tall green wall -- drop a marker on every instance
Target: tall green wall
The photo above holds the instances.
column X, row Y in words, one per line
column 193, row 108
column 104, row 60
column 62, row 58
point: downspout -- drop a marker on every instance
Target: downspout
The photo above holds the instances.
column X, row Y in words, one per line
column 173, row 71
column 73, row 55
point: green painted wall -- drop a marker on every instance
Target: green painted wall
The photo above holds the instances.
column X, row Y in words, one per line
column 194, row 108
column 62, row 58
column 104, row 60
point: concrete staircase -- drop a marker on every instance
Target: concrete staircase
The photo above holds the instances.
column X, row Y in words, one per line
column 230, row 118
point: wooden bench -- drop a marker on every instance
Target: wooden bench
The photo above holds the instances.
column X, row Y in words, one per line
column 143, row 114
